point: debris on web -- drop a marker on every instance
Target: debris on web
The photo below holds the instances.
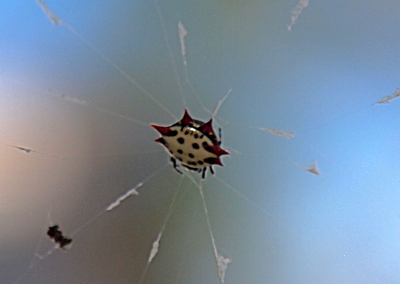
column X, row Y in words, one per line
column 154, row 249
column 296, row 12
column 312, row 169
column 57, row 236
column 56, row 20
column 26, row 150
column 124, row 196
column 388, row 99
column 132, row 191
column 222, row 264
column 182, row 34
column 287, row 134
column 73, row 100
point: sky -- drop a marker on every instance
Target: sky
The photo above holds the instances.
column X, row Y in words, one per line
column 81, row 95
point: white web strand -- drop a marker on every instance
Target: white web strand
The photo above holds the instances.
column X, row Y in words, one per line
column 222, row 262
column 296, row 13
column 243, row 196
column 89, row 105
column 170, row 53
column 220, row 102
column 36, row 255
column 182, row 32
column 50, row 14
column 156, row 243
column 118, row 201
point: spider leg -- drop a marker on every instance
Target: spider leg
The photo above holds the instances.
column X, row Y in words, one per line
column 211, row 170
column 175, row 165
column 219, row 136
column 203, row 174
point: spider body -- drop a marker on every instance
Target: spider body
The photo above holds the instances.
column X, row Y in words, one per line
column 193, row 143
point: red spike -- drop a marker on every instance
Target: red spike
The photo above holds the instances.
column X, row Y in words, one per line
column 214, row 161
column 215, row 149
column 218, row 150
column 162, row 129
column 160, row 140
column 186, row 119
column 207, row 127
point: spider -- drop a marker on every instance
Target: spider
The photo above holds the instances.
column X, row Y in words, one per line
column 193, row 143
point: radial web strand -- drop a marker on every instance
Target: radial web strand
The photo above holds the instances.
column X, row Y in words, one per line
column 221, row 262
column 51, row 15
column 156, row 244
column 55, row 20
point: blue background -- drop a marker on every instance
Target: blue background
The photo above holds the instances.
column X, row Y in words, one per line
column 320, row 80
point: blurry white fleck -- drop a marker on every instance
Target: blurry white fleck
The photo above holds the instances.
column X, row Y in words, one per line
column 296, row 12
column 73, row 100
column 182, row 34
column 48, row 253
column 130, row 192
column 313, row 169
column 222, row 264
column 388, row 99
column 56, row 20
column 154, row 249
column 287, row 134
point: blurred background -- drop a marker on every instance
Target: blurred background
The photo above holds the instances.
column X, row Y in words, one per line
column 320, row 80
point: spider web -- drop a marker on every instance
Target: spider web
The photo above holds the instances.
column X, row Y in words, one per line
column 83, row 169
column 221, row 262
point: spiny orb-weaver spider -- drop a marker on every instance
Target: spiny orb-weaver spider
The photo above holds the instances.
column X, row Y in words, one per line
column 193, row 143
